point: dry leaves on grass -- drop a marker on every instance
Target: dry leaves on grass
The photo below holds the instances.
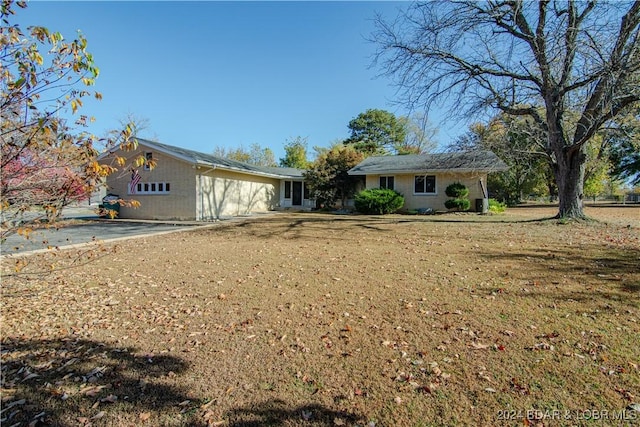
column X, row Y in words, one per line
column 428, row 321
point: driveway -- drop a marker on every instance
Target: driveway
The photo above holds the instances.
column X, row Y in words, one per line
column 82, row 226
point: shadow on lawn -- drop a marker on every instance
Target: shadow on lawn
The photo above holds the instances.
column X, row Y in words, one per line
column 71, row 382
column 296, row 226
column 593, row 266
column 276, row 412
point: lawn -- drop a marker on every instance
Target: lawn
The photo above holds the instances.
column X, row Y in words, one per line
column 327, row 320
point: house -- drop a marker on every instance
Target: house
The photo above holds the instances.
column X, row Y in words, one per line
column 423, row 178
column 189, row 185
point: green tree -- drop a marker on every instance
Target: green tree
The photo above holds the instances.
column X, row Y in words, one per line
column 295, row 154
column 518, row 56
column 623, row 141
column 376, row 132
column 327, row 178
column 46, row 164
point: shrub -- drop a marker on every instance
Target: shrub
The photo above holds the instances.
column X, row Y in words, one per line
column 458, row 204
column 378, row 201
column 459, row 193
column 496, row 206
column 457, row 190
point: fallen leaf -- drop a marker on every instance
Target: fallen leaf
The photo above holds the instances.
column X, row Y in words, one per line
column 112, row 398
column 430, row 388
column 478, row 346
column 98, row 415
column 145, row 416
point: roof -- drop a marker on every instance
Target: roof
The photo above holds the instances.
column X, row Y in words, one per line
column 469, row 161
column 208, row 160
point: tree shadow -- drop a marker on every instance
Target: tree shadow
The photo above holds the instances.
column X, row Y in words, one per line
column 619, row 268
column 295, row 225
column 71, row 382
column 276, row 412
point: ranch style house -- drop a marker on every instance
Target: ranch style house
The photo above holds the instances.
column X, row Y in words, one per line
column 423, row 178
column 189, row 185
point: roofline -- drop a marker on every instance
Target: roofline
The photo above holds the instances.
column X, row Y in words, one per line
column 424, row 171
column 151, row 144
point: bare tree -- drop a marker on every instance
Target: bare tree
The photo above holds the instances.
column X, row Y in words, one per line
column 420, row 135
column 528, row 58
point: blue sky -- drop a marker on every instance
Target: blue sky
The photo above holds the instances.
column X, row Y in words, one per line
column 207, row 74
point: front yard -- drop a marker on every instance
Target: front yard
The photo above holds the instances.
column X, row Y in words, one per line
column 316, row 319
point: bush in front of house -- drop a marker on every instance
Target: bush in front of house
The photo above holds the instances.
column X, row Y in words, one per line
column 378, row 201
column 458, row 204
column 459, row 193
column 496, row 206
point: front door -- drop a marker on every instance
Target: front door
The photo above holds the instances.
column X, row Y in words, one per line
column 297, row 194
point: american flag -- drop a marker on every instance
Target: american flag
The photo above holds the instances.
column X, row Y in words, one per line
column 135, row 179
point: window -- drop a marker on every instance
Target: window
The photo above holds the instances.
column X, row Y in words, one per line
column 287, row 189
column 425, row 184
column 148, row 157
column 152, row 188
column 387, row 182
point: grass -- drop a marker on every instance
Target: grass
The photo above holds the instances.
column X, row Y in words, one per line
column 315, row 319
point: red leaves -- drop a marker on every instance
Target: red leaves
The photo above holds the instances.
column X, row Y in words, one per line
column 519, row 388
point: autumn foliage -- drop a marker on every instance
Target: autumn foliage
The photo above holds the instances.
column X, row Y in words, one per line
column 48, row 161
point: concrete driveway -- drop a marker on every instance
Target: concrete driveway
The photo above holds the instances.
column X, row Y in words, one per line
column 86, row 227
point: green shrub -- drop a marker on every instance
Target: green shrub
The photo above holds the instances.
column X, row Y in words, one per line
column 458, row 204
column 496, row 206
column 378, row 201
column 459, row 192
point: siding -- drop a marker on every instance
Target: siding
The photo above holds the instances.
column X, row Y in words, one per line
column 404, row 184
column 179, row 203
column 197, row 193
column 225, row 193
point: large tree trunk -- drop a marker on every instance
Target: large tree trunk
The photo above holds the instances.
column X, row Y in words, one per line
column 569, row 171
